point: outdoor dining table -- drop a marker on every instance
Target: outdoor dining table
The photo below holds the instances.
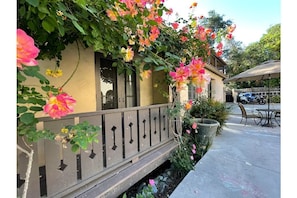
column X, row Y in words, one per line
column 269, row 114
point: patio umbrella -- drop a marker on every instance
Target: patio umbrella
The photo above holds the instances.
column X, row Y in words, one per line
column 266, row 70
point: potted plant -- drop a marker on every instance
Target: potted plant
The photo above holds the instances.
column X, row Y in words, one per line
column 209, row 116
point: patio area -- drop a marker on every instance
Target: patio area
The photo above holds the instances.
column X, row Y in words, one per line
column 244, row 161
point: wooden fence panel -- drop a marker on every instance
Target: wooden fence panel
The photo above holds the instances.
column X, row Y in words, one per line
column 144, row 129
column 131, row 133
column 164, row 124
column 155, row 126
column 92, row 158
column 114, row 138
column 61, row 166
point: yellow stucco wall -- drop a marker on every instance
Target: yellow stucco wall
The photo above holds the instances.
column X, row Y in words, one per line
column 82, row 85
column 217, row 87
column 146, row 92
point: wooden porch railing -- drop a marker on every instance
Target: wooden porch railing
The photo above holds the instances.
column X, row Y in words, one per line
column 126, row 136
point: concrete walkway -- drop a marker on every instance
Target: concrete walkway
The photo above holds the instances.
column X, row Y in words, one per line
column 244, row 161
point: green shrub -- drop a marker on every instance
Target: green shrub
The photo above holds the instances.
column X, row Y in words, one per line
column 275, row 99
column 204, row 107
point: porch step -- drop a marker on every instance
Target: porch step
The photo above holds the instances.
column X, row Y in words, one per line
column 120, row 181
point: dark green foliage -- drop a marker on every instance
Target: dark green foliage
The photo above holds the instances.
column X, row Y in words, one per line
column 209, row 108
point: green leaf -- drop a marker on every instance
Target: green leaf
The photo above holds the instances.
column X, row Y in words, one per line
column 27, row 118
column 43, row 9
column 36, row 108
column 79, row 27
column 41, row 15
column 48, row 24
column 147, row 60
column 98, row 45
column 61, row 30
column 160, row 68
column 81, row 2
column 22, row 11
column 21, row 109
column 33, row 3
column 74, row 148
column 21, row 77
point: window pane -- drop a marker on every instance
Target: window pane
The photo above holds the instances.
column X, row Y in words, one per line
column 131, row 90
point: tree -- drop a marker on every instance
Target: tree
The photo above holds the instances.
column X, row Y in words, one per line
column 241, row 59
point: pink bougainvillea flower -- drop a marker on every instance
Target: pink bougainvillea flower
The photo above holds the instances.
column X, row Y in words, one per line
column 198, row 90
column 151, row 182
column 192, row 157
column 180, row 76
column 194, row 146
column 220, row 45
column 175, row 25
column 183, row 39
column 185, row 30
column 188, row 131
column 169, row 12
column 194, row 125
column 26, row 50
column 60, row 105
column 197, row 66
column 159, row 20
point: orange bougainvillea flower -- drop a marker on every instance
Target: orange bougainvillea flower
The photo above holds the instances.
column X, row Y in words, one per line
column 112, row 15
column 188, row 105
column 146, row 74
column 194, row 4
column 26, row 50
column 60, row 105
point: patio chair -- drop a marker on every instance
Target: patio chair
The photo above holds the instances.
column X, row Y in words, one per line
column 256, row 117
column 277, row 117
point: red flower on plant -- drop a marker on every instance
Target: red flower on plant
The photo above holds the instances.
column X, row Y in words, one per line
column 175, row 25
column 60, row 105
column 229, row 36
column 183, row 39
column 26, row 50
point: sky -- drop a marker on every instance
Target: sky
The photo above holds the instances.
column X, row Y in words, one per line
column 252, row 17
